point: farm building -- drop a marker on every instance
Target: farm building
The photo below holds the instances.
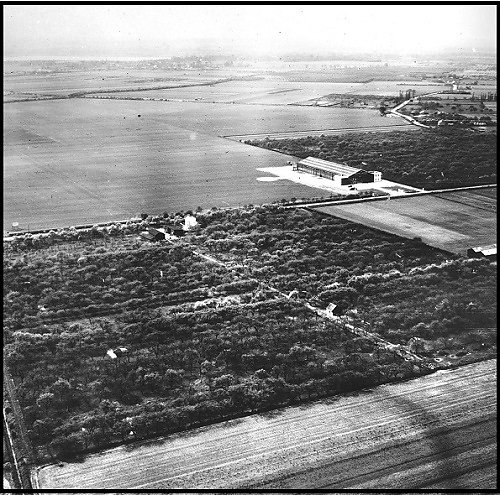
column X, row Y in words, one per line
column 489, row 252
column 176, row 230
column 190, row 222
column 342, row 175
column 333, row 309
column 153, row 235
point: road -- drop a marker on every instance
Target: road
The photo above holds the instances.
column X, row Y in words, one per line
column 437, row 431
column 395, row 111
column 23, row 447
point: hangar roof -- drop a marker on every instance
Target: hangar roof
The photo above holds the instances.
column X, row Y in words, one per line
column 335, row 168
column 486, row 250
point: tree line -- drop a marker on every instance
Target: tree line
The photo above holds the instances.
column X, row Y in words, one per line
column 430, row 160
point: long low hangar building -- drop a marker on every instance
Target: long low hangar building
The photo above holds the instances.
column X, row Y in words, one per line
column 342, row 175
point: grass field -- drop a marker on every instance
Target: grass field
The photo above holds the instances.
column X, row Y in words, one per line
column 266, row 89
column 437, row 431
column 79, row 161
column 227, row 119
column 451, row 221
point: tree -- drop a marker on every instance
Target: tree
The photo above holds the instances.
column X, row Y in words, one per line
column 42, row 429
column 63, row 394
column 68, row 446
column 46, row 401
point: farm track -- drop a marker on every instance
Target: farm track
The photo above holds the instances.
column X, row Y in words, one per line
column 435, row 430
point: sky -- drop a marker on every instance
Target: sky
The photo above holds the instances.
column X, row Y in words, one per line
column 253, row 30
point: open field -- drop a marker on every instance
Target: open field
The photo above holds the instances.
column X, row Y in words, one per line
column 272, row 89
column 276, row 91
column 229, row 120
column 436, row 431
column 451, row 221
column 79, row 161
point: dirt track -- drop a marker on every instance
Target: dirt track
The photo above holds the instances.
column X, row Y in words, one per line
column 435, row 431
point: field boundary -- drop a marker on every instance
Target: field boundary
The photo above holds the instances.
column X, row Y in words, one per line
column 291, row 134
column 23, row 444
column 313, row 204
column 285, row 205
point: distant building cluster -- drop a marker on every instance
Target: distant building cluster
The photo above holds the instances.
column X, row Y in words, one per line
column 341, row 175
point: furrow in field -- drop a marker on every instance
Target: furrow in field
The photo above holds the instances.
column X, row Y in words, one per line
column 369, row 464
column 441, row 468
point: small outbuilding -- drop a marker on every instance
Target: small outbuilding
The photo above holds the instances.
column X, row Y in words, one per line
column 153, row 235
column 174, row 229
column 489, row 252
column 190, row 222
column 333, row 309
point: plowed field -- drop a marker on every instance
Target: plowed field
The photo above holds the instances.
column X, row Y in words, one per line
column 437, row 431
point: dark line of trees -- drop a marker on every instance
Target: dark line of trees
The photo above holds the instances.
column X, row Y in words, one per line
column 432, row 160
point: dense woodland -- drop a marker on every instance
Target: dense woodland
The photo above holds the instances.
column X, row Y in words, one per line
column 101, row 281
column 182, row 370
column 396, row 284
column 188, row 364
column 430, row 159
